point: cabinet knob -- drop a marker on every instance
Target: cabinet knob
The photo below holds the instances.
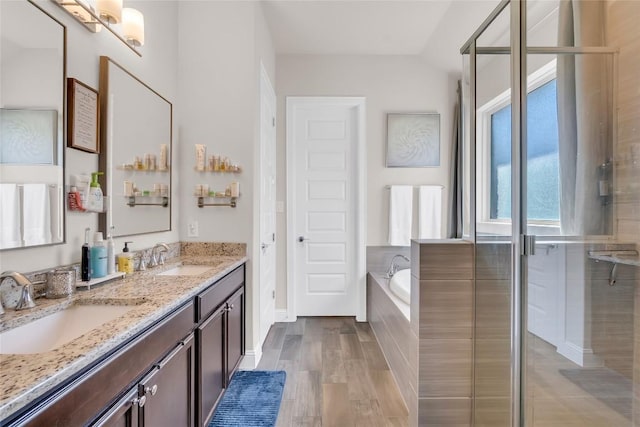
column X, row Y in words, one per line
column 231, row 306
column 153, row 390
column 140, row 401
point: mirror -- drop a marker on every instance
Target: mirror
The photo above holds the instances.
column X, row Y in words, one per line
column 136, row 133
column 32, row 87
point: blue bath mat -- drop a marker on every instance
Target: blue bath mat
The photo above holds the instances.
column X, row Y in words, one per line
column 252, row 400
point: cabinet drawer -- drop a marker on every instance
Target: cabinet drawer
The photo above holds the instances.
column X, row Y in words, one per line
column 83, row 399
column 210, row 299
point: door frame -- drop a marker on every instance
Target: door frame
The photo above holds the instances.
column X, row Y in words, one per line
column 265, row 87
column 293, row 102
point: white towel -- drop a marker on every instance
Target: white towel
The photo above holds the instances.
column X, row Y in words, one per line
column 10, row 236
column 36, row 215
column 430, row 212
column 400, row 214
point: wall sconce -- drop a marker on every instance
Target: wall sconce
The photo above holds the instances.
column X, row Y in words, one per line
column 133, row 26
column 109, row 12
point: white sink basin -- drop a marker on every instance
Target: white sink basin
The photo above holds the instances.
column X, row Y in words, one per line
column 186, row 270
column 54, row 330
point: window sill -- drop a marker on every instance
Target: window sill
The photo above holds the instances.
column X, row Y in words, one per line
column 496, row 228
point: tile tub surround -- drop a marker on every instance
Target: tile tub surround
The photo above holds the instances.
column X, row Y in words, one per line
column 397, row 339
column 24, row 378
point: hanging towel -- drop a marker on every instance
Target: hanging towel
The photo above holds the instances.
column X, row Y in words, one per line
column 10, row 236
column 36, row 215
column 400, row 214
column 430, row 212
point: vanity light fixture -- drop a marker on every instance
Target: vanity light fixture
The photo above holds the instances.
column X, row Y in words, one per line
column 109, row 12
column 133, row 26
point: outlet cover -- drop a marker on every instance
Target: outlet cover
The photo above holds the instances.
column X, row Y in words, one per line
column 192, row 229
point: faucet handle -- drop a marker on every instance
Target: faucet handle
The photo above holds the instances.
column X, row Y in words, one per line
column 142, row 265
column 26, row 298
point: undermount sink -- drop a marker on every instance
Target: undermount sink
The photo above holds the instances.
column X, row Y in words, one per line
column 52, row 331
column 187, row 270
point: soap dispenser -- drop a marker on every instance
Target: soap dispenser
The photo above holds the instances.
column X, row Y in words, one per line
column 125, row 260
column 95, row 199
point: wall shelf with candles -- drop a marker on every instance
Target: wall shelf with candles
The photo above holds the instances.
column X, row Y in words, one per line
column 230, row 203
column 133, row 201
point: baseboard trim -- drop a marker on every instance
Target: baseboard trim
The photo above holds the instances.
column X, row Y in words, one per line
column 583, row 357
column 250, row 360
column 283, row 316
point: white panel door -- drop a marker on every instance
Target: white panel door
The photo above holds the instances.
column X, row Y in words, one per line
column 267, row 205
column 325, row 138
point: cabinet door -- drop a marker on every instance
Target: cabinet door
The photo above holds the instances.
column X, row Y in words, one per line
column 123, row 413
column 235, row 332
column 210, row 361
column 169, row 389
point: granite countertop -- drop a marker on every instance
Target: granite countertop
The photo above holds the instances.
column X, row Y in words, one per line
column 26, row 377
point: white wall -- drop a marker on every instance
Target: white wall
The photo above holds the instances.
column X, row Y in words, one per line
column 390, row 84
column 157, row 67
column 219, row 65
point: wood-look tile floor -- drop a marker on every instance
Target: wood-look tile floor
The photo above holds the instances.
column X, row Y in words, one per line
column 336, row 374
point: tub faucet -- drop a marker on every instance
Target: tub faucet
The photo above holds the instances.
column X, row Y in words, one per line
column 26, row 297
column 157, row 257
column 393, row 267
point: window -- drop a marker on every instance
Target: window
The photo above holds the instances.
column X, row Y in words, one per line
column 494, row 167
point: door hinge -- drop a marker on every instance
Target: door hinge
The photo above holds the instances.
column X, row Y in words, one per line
column 527, row 244
column 273, row 294
column 273, row 121
column 273, row 237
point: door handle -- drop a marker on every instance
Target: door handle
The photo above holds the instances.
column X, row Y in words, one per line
column 264, row 246
column 302, row 239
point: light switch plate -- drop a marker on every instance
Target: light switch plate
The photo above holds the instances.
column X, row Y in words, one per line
column 279, row 206
column 192, row 229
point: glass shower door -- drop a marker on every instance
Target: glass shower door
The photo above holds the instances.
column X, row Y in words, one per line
column 578, row 319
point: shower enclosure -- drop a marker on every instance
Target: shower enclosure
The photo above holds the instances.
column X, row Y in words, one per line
column 551, row 195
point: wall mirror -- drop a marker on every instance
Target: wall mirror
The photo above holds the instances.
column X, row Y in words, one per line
column 32, row 111
column 136, row 135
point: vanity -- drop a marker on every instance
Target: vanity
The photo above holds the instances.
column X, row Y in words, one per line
column 165, row 360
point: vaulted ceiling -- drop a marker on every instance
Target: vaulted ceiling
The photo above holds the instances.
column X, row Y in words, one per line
column 435, row 29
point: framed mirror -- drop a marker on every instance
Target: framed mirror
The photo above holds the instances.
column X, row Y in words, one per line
column 32, row 113
column 136, row 135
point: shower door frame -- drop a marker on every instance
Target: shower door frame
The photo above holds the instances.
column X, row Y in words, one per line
column 522, row 244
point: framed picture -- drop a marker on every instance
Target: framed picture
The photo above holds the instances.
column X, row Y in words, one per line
column 83, row 117
column 28, row 137
column 413, row 140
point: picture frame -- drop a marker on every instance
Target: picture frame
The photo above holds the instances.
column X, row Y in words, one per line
column 413, row 140
column 83, row 117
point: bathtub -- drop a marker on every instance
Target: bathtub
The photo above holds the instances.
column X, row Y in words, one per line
column 402, row 277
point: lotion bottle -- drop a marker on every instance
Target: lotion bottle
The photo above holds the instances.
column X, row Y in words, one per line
column 95, row 203
column 98, row 256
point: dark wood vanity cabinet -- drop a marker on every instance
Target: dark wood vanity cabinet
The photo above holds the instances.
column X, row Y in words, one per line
column 172, row 374
column 163, row 397
column 169, row 389
column 220, row 338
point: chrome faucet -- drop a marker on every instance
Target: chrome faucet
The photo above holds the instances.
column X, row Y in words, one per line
column 393, row 267
column 26, row 297
column 157, row 257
